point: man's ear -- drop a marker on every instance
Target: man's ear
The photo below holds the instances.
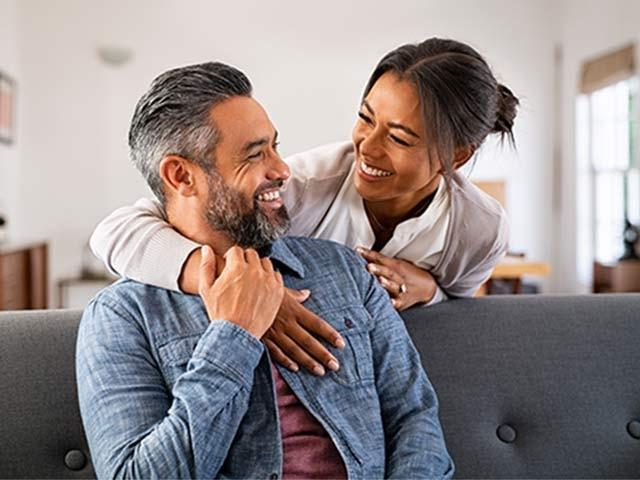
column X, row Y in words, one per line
column 462, row 155
column 178, row 175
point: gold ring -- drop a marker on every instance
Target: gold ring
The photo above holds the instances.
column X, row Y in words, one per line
column 403, row 288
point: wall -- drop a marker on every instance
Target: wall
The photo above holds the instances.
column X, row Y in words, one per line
column 309, row 62
column 10, row 154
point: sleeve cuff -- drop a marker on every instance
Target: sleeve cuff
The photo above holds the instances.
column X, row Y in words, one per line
column 232, row 349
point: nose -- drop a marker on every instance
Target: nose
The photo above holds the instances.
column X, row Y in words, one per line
column 369, row 142
column 277, row 169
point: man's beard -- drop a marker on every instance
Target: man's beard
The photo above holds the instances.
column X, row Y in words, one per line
column 245, row 223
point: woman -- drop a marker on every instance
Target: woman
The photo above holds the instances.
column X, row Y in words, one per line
column 394, row 193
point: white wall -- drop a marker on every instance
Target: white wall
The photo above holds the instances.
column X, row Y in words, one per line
column 10, row 154
column 590, row 28
column 309, row 62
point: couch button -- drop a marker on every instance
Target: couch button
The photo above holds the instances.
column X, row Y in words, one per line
column 75, row 460
column 506, row 433
column 633, row 427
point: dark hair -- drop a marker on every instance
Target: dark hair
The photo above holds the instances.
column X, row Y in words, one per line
column 462, row 102
column 173, row 117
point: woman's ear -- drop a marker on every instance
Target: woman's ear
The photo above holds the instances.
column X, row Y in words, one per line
column 462, row 155
column 178, row 175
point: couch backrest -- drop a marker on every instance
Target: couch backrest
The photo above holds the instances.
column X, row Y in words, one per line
column 529, row 387
column 41, row 433
column 536, row 386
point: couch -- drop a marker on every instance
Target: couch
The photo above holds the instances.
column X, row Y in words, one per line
column 529, row 387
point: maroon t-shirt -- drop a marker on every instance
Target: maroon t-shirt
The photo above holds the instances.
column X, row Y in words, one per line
column 308, row 451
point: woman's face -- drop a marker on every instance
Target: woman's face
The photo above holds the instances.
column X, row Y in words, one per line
column 392, row 162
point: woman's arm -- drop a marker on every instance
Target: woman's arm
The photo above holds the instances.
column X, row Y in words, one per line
column 137, row 242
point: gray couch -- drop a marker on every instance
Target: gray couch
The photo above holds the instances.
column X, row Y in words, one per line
column 529, row 387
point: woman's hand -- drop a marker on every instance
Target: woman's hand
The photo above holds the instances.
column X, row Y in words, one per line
column 407, row 284
column 291, row 340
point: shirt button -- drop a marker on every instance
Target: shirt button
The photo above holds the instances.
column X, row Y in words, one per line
column 348, row 323
column 273, row 476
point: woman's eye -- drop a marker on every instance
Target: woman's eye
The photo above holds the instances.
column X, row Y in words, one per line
column 364, row 118
column 399, row 141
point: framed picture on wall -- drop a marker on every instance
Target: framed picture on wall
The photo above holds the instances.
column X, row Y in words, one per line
column 7, row 109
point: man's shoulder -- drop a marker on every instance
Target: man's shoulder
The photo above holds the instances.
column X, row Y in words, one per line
column 311, row 251
column 126, row 292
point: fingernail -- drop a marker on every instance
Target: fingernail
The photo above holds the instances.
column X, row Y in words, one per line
column 360, row 249
column 339, row 342
column 293, row 367
column 333, row 365
column 372, row 268
column 206, row 251
column 318, row 370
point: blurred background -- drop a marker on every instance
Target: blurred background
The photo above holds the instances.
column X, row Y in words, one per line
column 71, row 72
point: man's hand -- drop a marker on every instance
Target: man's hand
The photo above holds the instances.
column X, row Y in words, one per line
column 248, row 292
column 290, row 339
column 406, row 283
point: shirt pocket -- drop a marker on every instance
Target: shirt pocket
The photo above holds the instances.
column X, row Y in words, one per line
column 356, row 358
column 174, row 356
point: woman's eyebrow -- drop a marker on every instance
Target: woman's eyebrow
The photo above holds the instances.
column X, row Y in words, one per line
column 399, row 126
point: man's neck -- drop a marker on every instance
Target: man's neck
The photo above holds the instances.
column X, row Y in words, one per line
column 196, row 228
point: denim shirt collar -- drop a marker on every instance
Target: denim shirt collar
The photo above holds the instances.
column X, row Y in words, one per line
column 282, row 254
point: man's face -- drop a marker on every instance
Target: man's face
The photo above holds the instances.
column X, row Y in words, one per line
column 244, row 186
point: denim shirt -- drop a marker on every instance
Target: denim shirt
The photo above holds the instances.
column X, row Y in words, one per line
column 165, row 392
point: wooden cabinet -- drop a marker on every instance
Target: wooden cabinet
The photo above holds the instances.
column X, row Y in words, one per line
column 23, row 276
column 622, row 276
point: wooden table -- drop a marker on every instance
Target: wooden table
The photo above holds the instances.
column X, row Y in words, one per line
column 514, row 268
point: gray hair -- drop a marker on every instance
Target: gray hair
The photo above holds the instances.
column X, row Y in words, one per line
column 173, row 117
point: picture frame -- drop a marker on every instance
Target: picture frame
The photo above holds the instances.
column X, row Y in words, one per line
column 7, row 109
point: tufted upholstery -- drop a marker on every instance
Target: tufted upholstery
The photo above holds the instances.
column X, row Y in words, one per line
column 529, row 387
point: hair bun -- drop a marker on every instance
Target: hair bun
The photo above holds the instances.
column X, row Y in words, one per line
column 506, row 112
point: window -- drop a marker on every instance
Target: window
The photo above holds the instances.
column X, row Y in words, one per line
column 609, row 179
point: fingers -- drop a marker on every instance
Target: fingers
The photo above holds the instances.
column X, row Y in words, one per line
column 207, row 267
column 373, row 256
column 252, row 257
column 299, row 296
column 267, row 266
column 279, row 356
column 234, row 256
column 389, row 273
column 295, row 351
column 393, row 288
column 316, row 325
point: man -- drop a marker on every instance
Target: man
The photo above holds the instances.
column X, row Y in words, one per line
column 174, row 385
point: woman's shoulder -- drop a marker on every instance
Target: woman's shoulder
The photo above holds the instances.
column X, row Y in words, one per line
column 480, row 213
column 323, row 162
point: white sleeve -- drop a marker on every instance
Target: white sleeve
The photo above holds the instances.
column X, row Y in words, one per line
column 137, row 242
column 438, row 297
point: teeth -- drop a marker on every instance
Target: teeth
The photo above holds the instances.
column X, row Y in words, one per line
column 269, row 197
column 374, row 172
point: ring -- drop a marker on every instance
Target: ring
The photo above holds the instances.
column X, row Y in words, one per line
column 403, row 288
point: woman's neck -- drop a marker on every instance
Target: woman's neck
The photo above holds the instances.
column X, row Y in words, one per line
column 387, row 214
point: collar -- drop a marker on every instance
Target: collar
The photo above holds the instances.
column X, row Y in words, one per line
column 282, row 255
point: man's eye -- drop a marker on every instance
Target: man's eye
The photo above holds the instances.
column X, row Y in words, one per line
column 399, row 141
column 365, row 118
column 254, row 156
column 276, row 145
